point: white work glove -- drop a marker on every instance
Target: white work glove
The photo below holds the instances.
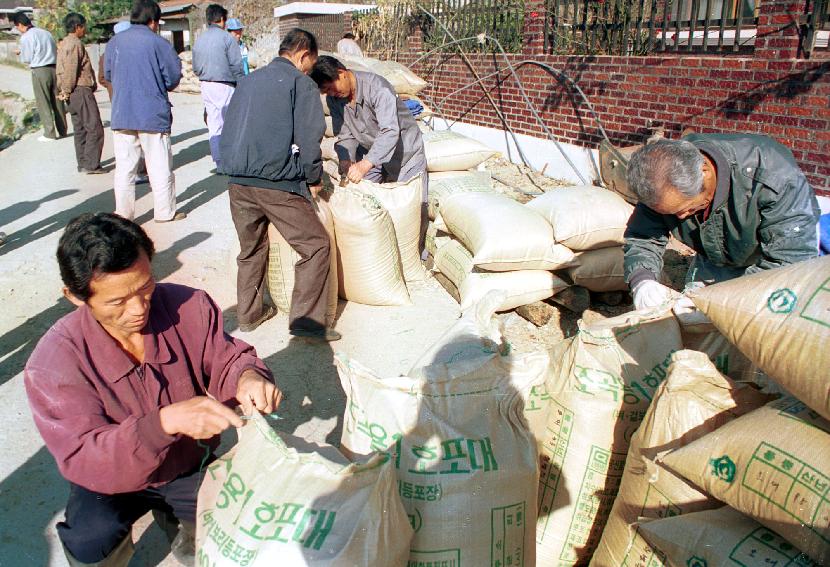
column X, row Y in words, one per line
column 686, row 311
column 649, row 293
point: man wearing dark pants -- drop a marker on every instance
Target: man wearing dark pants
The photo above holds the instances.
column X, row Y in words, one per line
column 38, row 49
column 270, row 148
column 131, row 389
column 76, row 84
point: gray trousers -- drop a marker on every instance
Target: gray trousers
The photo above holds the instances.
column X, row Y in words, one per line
column 52, row 111
column 86, row 124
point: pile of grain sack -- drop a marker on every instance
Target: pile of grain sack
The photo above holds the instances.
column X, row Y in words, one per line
column 644, row 440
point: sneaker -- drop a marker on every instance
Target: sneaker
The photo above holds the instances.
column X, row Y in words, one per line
column 177, row 216
column 45, row 139
column 269, row 312
column 141, row 179
column 329, row 335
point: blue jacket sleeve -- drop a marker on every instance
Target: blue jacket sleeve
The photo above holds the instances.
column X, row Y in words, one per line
column 170, row 64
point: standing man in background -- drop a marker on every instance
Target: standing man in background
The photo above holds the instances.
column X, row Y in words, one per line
column 348, row 46
column 142, row 68
column 271, row 151
column 76, row 84
column 39, row 51
column 217, row 61
column 235, row 28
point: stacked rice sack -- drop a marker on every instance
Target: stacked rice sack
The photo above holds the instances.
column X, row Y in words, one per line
column 707, row 441
column 190, row 82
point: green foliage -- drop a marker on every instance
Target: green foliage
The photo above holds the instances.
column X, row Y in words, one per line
column 51, row 13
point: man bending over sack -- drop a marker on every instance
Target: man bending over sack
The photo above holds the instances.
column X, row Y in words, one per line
column 377, row 137
column 739, row 200
column 131, row 389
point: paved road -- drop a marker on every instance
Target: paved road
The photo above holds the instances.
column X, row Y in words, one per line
column 40, row 193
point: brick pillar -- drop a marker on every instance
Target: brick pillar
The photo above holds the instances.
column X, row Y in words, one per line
column 772, row 42
column 533, row 35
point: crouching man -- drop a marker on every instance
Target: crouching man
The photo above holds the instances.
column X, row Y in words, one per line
column 130, row 389
column 739, row 200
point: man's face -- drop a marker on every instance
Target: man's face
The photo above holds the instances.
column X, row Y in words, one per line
column 673, row 202
column 237, row 34
column 80, row 31
column 120, row 301
column 21, row 28
column 340, row 87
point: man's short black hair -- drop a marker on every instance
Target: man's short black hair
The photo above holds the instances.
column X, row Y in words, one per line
column 21, row 19
column 144, row 12
column 215, row 13
column 326, row 70
column 348, row 35
column 297, row 40
column 72, row 21
column 98, row 243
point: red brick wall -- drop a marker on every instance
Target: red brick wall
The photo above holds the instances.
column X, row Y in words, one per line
column 772, row 92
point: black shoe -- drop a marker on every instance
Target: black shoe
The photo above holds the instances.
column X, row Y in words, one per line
column 269, row 312
column 96, row 171
column 327, row 335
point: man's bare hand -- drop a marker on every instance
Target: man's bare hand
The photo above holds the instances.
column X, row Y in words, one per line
column 256, row 391
column 358, row 170
column 315, row 190
column 200, row 418
column 17, row 52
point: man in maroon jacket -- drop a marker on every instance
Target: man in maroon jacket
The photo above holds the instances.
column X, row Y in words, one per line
column 130, row 389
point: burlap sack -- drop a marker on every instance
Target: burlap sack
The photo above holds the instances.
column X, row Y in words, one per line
column 475, row 344
column 603, row 381
column 773, row 465
column 282, row 258
column 402, row 79
column 600, row 270
column 449, row 151
column 694, row 400
column 584, row 217
column 444, row 184
column 719, row 538
column 520, row 287
column 403, row 202
column 275, row 499
column 465, row 460
column 781, row 320
column 369, row 264
column 502, row 234
column 327, row 148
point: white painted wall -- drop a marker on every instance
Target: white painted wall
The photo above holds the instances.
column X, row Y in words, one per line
column 540, row 153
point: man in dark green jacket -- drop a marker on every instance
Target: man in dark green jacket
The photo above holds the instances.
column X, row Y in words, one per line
column 739, row 200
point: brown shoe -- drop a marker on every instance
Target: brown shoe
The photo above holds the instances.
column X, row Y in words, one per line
column 269, row 312
column 177, row 216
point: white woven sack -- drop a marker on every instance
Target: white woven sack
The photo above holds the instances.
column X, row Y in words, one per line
column 275, row 499
column 449, row 151
column 442, row 184
column 520, row 287
column 502, row 234
column 465, row 460
column 327, row 147
column 369, row 265
column 329, row 133
column 584, row 217
column 600, row 270
column 403, row 202
column 282, row 259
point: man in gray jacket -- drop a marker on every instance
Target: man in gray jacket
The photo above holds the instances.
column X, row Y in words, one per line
column 39, row 51
column 271, row 151
column 739, row 200
column 217, row 61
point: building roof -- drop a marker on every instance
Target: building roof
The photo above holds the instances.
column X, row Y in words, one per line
column 12, row 6
column 318, row 8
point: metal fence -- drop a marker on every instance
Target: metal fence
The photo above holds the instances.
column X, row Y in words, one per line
column 639, row 27
column 816, row 27
column 499, row 19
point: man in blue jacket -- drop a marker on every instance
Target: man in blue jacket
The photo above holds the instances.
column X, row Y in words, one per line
column 217, row 61
column 271, row 151
column 142, row 68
